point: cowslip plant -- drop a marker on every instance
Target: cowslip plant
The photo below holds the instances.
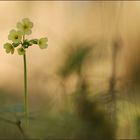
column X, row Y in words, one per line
column 19, row 42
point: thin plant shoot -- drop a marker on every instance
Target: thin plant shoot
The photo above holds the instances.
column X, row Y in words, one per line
column 21, row 43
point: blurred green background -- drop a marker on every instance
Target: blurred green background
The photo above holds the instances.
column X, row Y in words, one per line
column 85, row 85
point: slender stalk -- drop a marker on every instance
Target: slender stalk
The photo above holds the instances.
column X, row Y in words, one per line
column 25, row 87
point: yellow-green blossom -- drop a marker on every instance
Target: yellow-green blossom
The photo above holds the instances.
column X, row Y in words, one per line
column 21, row 51
column 19, row 39
column 25, row 26
column 9, row 48
column 15, row 36
column 43, row 43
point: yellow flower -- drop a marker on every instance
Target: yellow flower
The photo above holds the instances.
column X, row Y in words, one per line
column 15, row 36
column 25, row 26
column 9, row 48
column 43, row 43
column 21, row 51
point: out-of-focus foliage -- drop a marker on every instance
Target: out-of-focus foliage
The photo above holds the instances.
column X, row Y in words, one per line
column 98, row 124
column 75, row 58
column 86, row 121
column 137, row 122
column 134, row 74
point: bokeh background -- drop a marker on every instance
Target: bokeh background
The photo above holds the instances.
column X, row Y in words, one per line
column 85, row 85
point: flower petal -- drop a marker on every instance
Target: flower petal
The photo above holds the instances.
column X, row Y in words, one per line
column 19, row 25
column 44, row 46
column 28, row 32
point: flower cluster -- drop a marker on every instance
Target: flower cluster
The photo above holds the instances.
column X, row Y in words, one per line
column 18, row 38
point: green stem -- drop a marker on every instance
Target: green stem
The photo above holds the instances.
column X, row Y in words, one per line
column 25, row 89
